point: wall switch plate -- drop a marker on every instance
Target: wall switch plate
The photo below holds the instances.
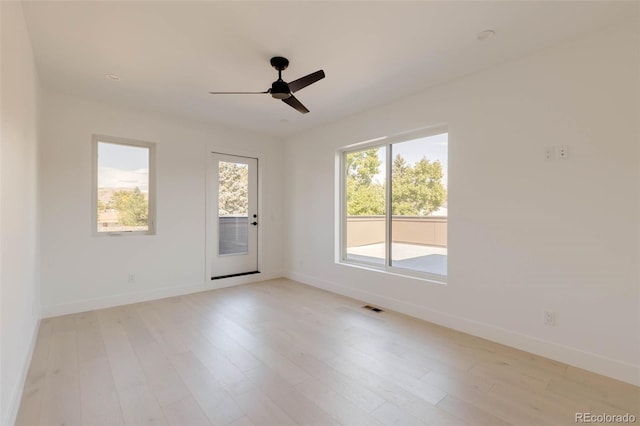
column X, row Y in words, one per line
column 132, row 278
column 549, row 153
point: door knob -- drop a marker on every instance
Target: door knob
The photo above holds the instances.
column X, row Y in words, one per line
column 254, row 223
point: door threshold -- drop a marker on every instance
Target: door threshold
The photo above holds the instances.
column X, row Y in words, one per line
column 219, row 277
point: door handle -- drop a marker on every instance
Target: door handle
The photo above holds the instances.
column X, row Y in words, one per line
column 254, row 223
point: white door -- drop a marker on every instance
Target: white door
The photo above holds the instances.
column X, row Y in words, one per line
column 234, row 230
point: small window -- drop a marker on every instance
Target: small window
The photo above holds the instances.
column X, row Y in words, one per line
column 124, row 186
column 394, row 205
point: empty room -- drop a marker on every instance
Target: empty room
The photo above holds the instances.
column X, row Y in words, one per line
column 240, row 213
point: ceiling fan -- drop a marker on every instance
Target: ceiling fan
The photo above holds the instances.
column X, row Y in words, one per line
column 280, row 89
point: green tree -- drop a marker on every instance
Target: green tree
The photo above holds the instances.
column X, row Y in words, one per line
column 232, row 189
column 362, row 166
column 365, row 197
column 416, row 190
column 132, row 207
column 101, row 209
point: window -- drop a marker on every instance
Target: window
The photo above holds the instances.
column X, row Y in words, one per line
column 233, row 208
column 401, row 226
column 123, row 186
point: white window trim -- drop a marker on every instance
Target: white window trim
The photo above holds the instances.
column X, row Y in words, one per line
column 341, row 216
column 152, row 185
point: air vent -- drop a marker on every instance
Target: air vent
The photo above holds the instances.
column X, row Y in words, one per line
column 372, row 308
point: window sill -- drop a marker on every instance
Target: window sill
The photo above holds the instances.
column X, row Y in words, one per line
column 124, row 234
column 404, row 273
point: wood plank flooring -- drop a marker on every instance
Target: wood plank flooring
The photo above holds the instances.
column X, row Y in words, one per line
column 281, row 353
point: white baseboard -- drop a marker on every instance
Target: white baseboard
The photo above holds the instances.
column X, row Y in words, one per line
column 16, row 396
column 74, row 307
column 84, row 305
column 599, row 364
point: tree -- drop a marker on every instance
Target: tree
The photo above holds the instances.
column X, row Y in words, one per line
column 362, row 166
column 416, row 190
column 132, row 207
column 365, row 197
column 101, row 209
column 233, row 189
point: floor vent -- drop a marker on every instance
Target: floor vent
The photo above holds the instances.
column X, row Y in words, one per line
column 372, row 308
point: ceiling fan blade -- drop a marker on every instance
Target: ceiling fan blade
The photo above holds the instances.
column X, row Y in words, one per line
column 295, row 103
column 239, row 93
column 303, row 82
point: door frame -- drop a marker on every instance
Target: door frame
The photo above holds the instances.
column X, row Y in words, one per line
column 211, row 208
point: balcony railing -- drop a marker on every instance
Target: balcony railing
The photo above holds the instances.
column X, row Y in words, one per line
column 428, row 231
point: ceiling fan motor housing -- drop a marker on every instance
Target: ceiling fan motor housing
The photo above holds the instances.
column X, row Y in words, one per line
column 280, row 90
column 279, row 63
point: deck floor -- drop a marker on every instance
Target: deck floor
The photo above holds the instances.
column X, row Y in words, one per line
column 414, row 257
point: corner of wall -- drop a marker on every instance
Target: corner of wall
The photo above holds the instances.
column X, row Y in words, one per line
column 21, row 99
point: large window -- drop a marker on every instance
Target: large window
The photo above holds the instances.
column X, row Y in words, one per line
column 394, row 205
column 123, row 186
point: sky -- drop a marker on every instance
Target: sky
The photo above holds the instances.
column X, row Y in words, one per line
column 433, row 147
column 123, row 166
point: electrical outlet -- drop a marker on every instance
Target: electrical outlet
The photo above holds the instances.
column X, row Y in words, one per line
column 132, row 278
column 549, row 153
column 563, row 152
column 549, row 318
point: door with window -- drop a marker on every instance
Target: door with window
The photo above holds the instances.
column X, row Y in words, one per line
column 234, row 225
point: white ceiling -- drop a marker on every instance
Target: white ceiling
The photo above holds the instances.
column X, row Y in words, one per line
column 170, row 54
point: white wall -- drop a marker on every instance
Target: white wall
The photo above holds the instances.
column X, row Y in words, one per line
column 18, row 246
column 80, row 271
column 524, row 235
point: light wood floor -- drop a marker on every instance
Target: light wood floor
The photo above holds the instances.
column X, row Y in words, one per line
column 280, row 353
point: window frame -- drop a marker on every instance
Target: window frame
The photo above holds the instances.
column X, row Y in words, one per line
column 151, row 146
column 341, row 218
